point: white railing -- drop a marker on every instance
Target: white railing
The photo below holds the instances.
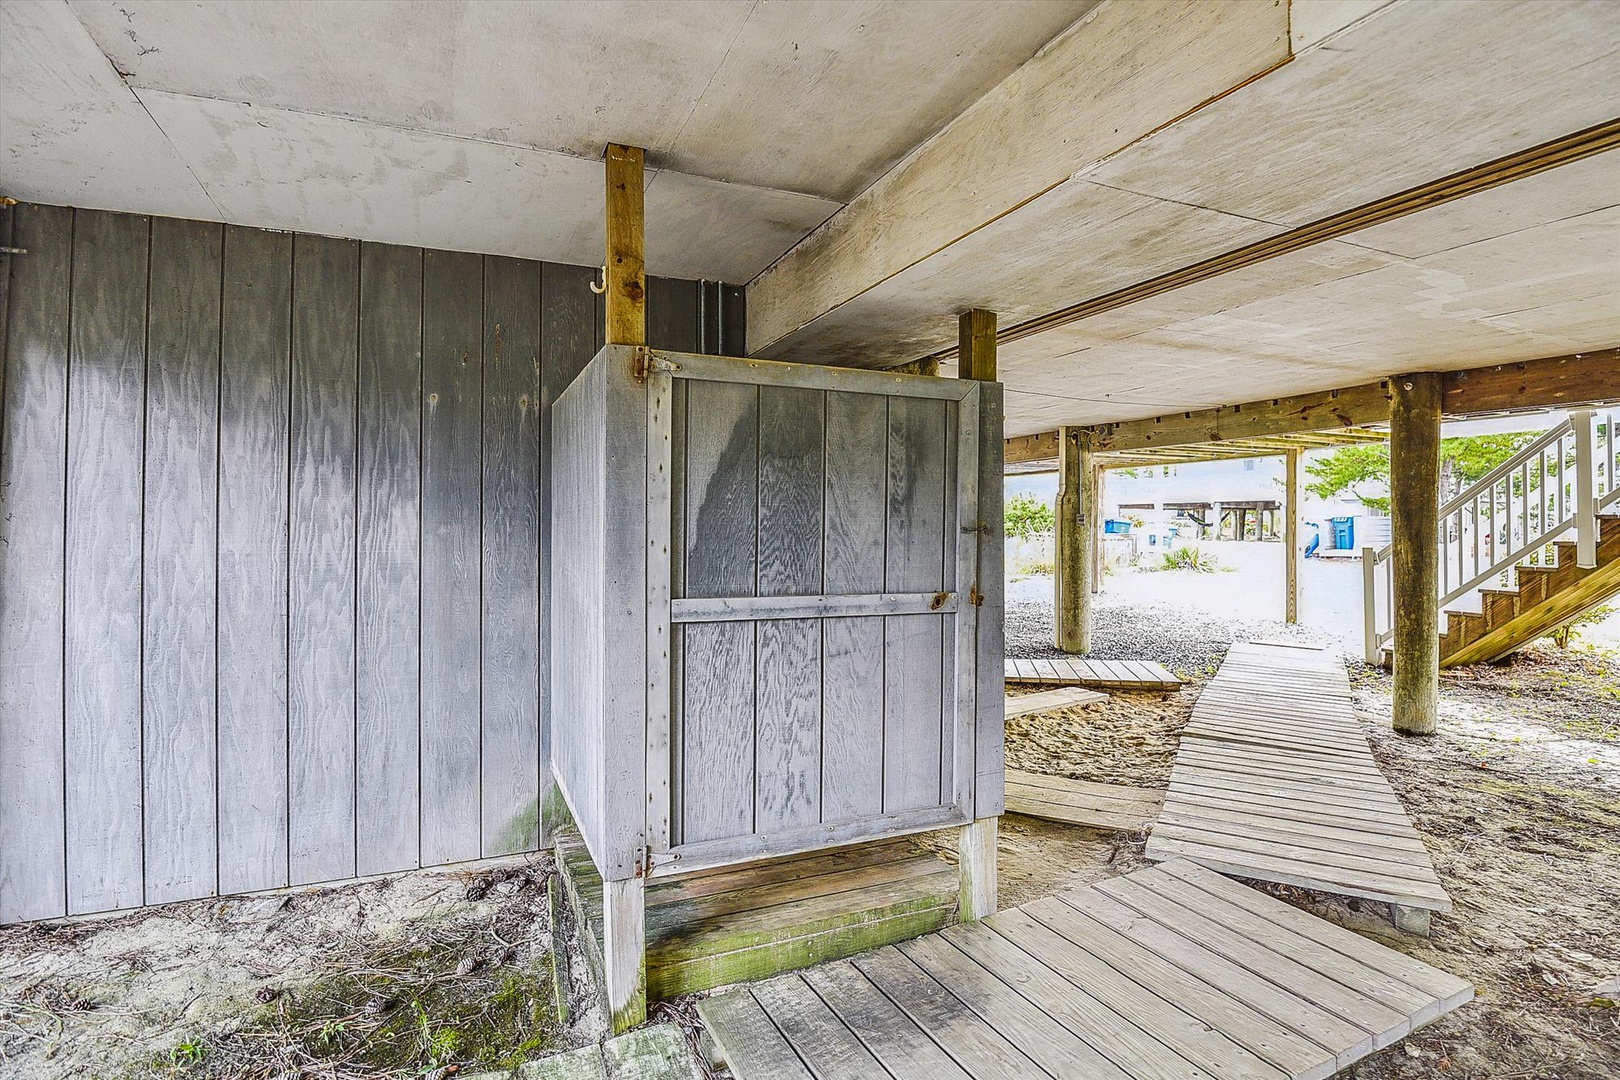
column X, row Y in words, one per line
column 1551, row 490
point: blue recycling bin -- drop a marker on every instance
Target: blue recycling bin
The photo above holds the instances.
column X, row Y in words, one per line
column 1116, row 527
column 1344, row 533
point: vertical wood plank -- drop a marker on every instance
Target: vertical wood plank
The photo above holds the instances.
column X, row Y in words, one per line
column 33, row 508
column 626, row 282
column 914, row 644
column 660, row 421
column 577, row 575
column 511, row 557
column 452, row 471
column 856, row 512
column 990, row 713
column 255, row 383
column 720, row 538
column 624, row 618
column 787, row 749
column 321, row 560
column 388, row 559
column 178, row 652
column 102, row 635
column 569, row 324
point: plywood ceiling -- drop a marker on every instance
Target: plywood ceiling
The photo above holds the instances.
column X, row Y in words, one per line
column 479, row 125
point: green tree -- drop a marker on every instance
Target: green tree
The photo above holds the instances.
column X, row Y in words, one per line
column 1027, row 516
column 1463, row 460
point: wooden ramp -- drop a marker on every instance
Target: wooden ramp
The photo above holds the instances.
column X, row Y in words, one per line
column 1064, row 697
column 1097, row 674
column 1274, row 781
column 1081, row 802
column 1170, row 973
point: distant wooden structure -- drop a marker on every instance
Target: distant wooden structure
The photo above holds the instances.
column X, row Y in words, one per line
column 1274, row 781
column 1172, row 971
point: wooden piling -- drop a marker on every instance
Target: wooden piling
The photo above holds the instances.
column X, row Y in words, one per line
column 1414, row 472
column 1075, row 541
column 626, row 274
column 1291, row 539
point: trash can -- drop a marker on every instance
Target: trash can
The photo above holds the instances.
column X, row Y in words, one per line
column 1344, row 533
column 1114, row 526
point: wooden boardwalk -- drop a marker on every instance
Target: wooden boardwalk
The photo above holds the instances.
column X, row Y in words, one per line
column 1064, row 697
column 1170, row 973
column 1081, row 802
column 1097, row 674
column 1275, row 782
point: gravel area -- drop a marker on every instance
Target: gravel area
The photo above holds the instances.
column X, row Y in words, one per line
column 1191, row 643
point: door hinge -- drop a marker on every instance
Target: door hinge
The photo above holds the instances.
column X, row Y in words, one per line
column 646, row 362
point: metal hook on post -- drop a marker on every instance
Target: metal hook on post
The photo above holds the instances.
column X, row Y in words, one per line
column 602, row 288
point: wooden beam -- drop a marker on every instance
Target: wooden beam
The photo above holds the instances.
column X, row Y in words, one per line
column 1588, row 378
column 1353, row 406
column 1414, row 490
column 1026, row 136
column 626, row 272
column 1032, row 448
column 1291, row 523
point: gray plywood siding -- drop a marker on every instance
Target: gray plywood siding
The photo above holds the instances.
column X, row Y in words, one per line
column 787, row 723
column 274, row 567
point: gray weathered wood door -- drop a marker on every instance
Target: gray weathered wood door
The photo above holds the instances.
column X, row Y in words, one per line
column 822, row 548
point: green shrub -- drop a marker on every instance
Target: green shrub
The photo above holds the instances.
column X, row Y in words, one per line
column 1190, row 558
column 1026, row 517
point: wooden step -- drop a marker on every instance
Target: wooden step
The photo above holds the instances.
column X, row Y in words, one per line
column 741, row 923
column 1546, row 597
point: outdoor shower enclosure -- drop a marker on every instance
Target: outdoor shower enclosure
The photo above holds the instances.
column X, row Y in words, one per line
column 769, row 628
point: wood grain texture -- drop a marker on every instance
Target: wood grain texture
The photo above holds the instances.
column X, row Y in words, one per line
column 513, row 429
column 719, row 542
column 788, row 746
column 321, row 560
column 989, row 722
column 625, row 612
column 102, row 632
column 255, row 383
column 569, row 326
column 387, row 619
column 452, row 471
column 577, row 577
column 33, row 508
column 855, row 525
column 179, row 568
column 914, row 699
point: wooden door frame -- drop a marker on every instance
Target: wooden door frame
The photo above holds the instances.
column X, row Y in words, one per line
column 959, row 680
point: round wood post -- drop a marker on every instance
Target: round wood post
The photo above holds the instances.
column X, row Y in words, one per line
column 1075, row 540
column 1414, row 488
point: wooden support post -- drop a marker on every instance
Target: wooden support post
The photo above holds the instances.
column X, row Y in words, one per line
column 976, row 843
column 626, row 274
column 1414, row 488
column 1075, row 542
column 1217, row 515
column 1096, row 517
column 1291, row 525
column 624, row 951
column 976, row 862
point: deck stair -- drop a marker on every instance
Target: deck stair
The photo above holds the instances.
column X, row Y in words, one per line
column 1532, row 544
